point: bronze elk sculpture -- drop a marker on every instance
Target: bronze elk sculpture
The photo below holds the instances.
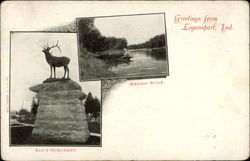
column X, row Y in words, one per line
column 54, row 61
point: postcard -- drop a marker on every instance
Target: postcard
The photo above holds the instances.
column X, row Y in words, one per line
column 124, row 80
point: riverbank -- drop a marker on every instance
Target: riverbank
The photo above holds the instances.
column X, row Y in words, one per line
column 111, row 52
column 92, row 67
column 147, row 49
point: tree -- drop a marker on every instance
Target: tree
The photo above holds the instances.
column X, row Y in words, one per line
column 34, row 106
column 156, row 41
column 86, row 34
column 92, row 105
column 96, row 107
column 121, row 43
column 85, row 26
column 24, row 112
column 91, row 39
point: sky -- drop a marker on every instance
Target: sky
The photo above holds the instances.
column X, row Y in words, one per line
column 136, row 29
column 29, row 66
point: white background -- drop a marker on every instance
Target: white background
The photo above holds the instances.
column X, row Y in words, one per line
column 200, row 112
column 29, row 66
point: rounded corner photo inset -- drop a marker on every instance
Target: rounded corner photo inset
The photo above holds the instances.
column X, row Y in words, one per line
column 49, row 106
column 126, row 46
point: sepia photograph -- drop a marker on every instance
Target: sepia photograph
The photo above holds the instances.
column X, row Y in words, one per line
column 126, row 46
column 48, row 104
column 124, row 80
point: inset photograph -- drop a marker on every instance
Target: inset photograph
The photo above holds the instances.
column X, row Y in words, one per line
column 49, row 106
column 127, row 46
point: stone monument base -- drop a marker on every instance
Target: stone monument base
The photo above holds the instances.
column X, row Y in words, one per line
column 61, row 114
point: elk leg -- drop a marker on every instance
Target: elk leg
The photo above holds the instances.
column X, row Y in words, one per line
column 50, row 72
column 64, row 71
column 68, row 71
column 54, row 72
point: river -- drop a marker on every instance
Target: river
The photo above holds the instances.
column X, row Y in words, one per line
column 143, row 63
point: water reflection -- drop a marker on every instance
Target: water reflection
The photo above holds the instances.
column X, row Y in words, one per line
column 112, row 63
column 142, row 63
column 157, row 54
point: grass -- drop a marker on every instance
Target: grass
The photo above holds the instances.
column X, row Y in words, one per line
column 92, row 68
column 94, row 127
column 22, row 136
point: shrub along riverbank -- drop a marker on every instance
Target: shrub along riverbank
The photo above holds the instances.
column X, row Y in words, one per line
column 92, row 67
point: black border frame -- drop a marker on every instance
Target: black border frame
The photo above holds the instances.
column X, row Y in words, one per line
column 129, row 77
column 47, row 145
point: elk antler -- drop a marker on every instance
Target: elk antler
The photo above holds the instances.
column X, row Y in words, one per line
column 56, row 46
column 44, row 47
column 48, row 48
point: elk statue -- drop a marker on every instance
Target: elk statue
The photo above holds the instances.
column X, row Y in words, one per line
column 54, row 61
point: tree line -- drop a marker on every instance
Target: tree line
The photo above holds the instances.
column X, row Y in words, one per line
column 91, row 39
column 155, row 42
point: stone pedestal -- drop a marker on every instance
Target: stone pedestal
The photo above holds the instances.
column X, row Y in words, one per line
column 61, row 114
